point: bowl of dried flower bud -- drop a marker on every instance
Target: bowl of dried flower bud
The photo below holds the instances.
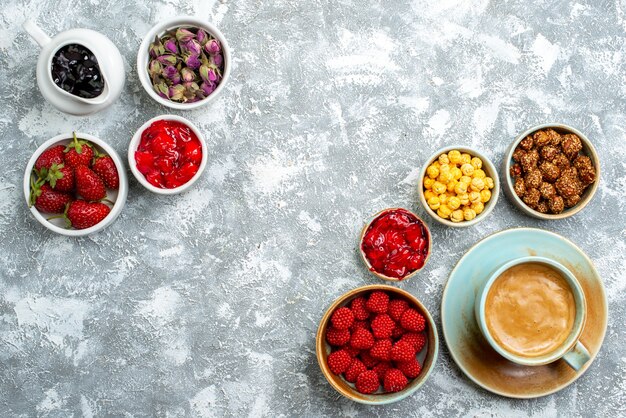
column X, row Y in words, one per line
column 184, row 62
column 551, row 171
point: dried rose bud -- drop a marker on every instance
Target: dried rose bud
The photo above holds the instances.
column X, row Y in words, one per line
column 192, row 47
column 188, row 75
column 193, row 62
column 154, row 67
column 183, row 35
column 202, row 37
column 169, row 71
column 176, row 92
column 156, row 48
column 171, row 46
column 207, row 88
column 162, row 90
column 217, row 60
column 167, row 59
column 213, row 47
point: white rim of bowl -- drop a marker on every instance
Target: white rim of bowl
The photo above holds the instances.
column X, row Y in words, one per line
column 134, row 144
column 593, row 154
column 143, row 58
column 495, row 192
column 122, row 192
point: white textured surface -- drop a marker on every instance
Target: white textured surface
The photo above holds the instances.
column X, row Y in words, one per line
column 206, row 304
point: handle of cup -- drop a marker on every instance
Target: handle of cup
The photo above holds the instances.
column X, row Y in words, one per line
column 578, row 356
column 36, row 33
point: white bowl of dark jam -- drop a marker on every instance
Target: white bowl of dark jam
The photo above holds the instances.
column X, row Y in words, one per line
column 79, row 71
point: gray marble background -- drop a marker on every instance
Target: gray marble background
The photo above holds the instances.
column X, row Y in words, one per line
column 206, row 304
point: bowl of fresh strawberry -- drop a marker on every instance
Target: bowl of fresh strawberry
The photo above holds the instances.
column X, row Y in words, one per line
column 167, row 154
column 377, row 344
column 75, row 184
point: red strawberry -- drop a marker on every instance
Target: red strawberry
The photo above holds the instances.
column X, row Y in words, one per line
column 88, row 184
column 412, row 320
column 410, row 369
column 402, row 351
column 78, row 153
column 395, row 381
column 382, row 349
column 81, row 214
column 378, row 302
column 48, row 200
column 418, row 340
column 339, row 361
column 367, row 382
column 368, row 360
column 60, row 177
column 104, row 166
column 53, row 155
column 361, row 339
column 382, row 326
column 342, row 318
column 358, row 309
column 381, row 370
column 356, row 368
column 337, row 337
column 397, row 308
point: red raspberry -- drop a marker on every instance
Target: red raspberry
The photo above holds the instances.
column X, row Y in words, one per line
column 368, row 360
column 367, row 382
column 402, row 351
column 395, row 381
column 358, row 309
column 356, row 368
column 397, row 308
column 410, row 369
column 360, row 324
column 398, row 331
column 361, row 339
column 351, row 350
column 339, row 361
column 417, row 339
column 337, row 337
column 378, row 302
column 382, row 326
column 412, row 320
column 382, row 349
column 381, row 370
column 342, row 318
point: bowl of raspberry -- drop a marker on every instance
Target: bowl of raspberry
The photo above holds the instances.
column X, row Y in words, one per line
column 377, row 344
column 395, row 244
column 75, row 184
column 167, row 154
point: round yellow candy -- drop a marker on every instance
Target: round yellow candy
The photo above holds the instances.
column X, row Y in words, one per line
column 432, row 171
column 466, row 158
column 438, row 187
column 465, row 179
column 478, row 207
column 474, row 197
column 454, row 202
column 456, row 173
column 460, row 188
column 428, row 183
column 444, row 211
column 428, row 194
column 454, row 156
column 469, row 214
column 444, row 168
column 479, row 173
column 476, row 162
column 489, row 182
column 485, row 195
column 445, row 177
column 436, row 164
column 456, row 216
column 434, row 203
column 451, row 185
column 477, row 184
column 443, row 198
column 464, row 198
column 467, row 169
column 443, row 159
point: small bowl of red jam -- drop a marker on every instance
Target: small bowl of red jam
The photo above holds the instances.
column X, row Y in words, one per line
column 167, row 154
column 396, row 244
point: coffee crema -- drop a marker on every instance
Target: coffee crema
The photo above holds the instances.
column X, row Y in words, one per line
column 530, row 310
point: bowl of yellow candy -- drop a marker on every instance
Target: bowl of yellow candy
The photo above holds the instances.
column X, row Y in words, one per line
column 458, row 186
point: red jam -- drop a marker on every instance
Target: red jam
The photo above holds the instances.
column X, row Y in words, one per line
column 169, row 154
column 396, row 243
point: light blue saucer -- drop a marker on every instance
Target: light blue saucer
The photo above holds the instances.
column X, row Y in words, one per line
column 465, row 342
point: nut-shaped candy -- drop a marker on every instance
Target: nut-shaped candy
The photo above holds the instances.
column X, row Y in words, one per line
column 444, row 211
column 432, row 172
column 478, row 207
column 434, row 203
column 476, row 162
column 477, row 184
column 454, row 156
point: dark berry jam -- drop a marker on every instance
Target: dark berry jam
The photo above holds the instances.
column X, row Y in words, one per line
column 396, row 243
column 75, row 70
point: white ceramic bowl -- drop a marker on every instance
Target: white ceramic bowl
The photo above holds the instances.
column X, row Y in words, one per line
column 488, row 168
column 160, row 28
column 134, row 144
column 118, row 197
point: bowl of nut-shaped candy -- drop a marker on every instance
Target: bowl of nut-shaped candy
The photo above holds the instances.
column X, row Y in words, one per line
column 551, row 171
column 458, row 186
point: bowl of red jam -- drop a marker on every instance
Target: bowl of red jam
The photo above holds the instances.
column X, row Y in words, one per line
column 167, row 154
column 395, row 244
